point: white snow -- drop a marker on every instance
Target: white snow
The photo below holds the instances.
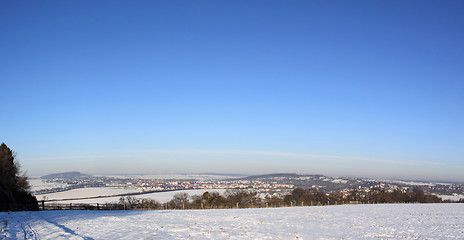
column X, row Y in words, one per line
column 455, row 197
column 161, row 197
column 164, row 197
column 87, row 192
column 389, row 221
column 339, row 181
column 412, row 183
column 173, row 176
column 39, row 184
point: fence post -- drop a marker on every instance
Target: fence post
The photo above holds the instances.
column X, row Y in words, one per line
column 70, row 206
column 43, row 205
column 237, row 204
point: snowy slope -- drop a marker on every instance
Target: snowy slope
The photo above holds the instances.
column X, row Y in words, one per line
column 161, row 197
column 87, row 192
column 389, row 221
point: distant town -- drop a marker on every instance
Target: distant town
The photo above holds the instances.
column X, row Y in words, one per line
column 271, row 185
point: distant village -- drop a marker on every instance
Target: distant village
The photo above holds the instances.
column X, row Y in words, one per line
column 272, row 185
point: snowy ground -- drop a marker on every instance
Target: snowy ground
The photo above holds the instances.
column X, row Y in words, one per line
column 161, row 197
column 389, row 221
column 455, row 198
column 38, row 184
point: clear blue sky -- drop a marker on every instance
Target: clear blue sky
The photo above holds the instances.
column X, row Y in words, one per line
column 346, row 88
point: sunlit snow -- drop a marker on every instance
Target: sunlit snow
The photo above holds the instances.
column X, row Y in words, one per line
column 161, row 197
column 388, row 221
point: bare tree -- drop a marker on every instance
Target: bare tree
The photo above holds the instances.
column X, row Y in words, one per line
column 180, row 201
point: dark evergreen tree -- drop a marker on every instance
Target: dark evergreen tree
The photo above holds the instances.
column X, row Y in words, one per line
column 14, row 188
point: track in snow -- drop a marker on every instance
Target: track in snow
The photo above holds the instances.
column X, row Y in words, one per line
column 382, row 221
column 29, row 232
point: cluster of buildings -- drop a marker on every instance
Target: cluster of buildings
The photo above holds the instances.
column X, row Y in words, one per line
column 144, row 184
column 269, row 185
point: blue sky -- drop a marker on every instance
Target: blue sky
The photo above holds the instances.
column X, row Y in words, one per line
column 346, row 88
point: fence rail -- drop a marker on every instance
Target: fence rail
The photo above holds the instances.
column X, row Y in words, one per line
column 44, row 205
column 71, row 206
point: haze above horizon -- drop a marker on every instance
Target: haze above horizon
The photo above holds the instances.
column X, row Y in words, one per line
column 365, row 89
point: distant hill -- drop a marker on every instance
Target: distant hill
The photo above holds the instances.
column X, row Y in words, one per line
column 337, row 184
column 66, row 175
column 274, row 175
column 316, row 181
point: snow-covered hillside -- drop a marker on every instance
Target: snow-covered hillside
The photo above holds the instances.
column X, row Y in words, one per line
column 162, row 197
column 389, row 221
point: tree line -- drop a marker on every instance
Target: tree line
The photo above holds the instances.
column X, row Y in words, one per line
column 15, row 195
column 238, row 198
column 311, row 196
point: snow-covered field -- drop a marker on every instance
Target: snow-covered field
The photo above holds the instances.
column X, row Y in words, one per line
column 455, row 198
column 389, row 221
column 164, row 197
column 174, row 176
column 38, row 184
column 87, row 192
column 161, row 197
